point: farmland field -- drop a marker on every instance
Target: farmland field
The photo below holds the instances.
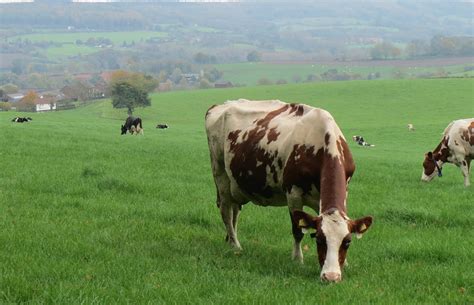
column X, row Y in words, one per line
column 91, row 217
column 250, row 73
column 67, row 40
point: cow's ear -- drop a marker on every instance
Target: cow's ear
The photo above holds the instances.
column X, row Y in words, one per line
column 304, row 220
column 361, row 225
column 429, row 154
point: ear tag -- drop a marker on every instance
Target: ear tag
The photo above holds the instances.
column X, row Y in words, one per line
column 359, row 235
column 308, row 230
column 302, row 223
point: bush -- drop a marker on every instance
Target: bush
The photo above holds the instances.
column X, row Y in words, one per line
column 5, row 106
column 264, row 81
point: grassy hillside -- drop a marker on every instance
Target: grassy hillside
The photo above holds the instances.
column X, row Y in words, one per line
column 89, row 216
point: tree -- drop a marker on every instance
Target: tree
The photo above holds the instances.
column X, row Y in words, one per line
column 28, row 103
column 384, row 50
column 126, row 95
column 5, row 106
column 254, row 56
column 142, row 81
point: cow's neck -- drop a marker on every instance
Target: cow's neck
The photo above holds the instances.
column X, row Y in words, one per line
column 329, row 208
column 441, row 152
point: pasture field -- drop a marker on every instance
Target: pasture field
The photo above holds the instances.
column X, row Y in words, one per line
column 88, row 216
column 68, row 46
column 250, row 73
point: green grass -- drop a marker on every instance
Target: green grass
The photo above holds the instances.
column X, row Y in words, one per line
column 71, row 37
column 70, row 48
column 250, row 73
column 91, row 217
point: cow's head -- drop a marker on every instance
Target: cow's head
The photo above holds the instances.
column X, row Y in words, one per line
column 431, row 167
column 333, row 237
column 124, row 129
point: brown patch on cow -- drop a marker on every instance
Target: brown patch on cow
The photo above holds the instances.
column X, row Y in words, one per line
column 343, row 249
column 250, row 161
column 232, row 137
column 297, row 109
column 347, row 160
column 209, row 110
column 326, row 138
column 249, row 164
column 468, row 134
column 333, row 184
column 303, row 168
column 270, row 116
column 306, row 168
column 440, row 153
column 321, row 245
column 428, row 164
column 272, row 135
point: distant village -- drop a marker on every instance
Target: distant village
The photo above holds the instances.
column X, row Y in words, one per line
column 85, row 87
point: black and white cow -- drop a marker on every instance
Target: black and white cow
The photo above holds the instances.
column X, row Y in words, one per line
column 132, row 125
column 22, row 119
column 278, row 154
column 162, row 126
column 360, row 140
column 456, row 146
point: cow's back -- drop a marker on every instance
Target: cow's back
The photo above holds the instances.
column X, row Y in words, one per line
column 460, row 135
column 259, row 144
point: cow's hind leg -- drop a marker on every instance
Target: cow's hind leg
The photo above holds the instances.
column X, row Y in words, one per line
column 228, row 207
column 229, row 215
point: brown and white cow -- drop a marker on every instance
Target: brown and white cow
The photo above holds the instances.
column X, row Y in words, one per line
column 278, row 154
column 456, row 146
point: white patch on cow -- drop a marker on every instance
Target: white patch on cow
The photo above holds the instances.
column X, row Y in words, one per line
column 335, row 228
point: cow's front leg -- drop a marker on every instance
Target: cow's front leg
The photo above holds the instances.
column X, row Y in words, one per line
column 465, row 171
column 297, row 253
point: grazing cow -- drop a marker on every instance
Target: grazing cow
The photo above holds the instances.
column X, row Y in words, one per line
column 162, row 126
column 456, row 146
column 132, row 125
column 22, row 120
column 411, row 127
column 278, row 154
column 360, row 140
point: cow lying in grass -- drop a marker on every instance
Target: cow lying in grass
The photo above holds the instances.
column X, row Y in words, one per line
column 22, row 120
column 456, row 146
column 132, row 125
column 360, row 140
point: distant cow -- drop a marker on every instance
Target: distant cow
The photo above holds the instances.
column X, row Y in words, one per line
column 22, row 119
column 456, row 146
column 411, row 127
column 360, row 140
column 277, row 154
column 133, row 125
column 162, row 126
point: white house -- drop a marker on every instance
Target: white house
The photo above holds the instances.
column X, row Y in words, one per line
column 45, row 107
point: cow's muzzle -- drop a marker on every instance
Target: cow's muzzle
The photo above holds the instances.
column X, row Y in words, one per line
column 331, row 277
